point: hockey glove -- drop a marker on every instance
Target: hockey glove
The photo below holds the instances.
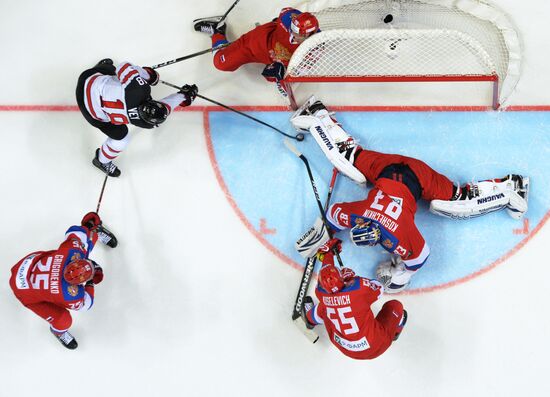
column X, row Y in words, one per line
column 347, row 273
column 153, row 75
column 274, row 72
column 91, row 220
column 326, row 252
column 98, row 273
column 190, row 92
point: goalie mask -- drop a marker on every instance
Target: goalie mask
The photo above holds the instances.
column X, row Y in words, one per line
column 367, row 233
column 153, row 112
column 330, row 279
column 303, row 26
column 78, row 271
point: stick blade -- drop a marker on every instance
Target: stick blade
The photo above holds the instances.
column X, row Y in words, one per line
column 308, row 333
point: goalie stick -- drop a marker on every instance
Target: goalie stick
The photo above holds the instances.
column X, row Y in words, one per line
column 306, row 279
column 293, row 149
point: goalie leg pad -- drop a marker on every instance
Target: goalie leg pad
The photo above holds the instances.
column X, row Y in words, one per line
column 312, row 240
column 488, row 196
column 335, row 143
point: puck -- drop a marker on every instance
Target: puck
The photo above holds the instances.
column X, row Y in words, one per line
column 388, row 18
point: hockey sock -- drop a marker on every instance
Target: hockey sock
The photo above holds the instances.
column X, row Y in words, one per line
column 111, row 149
column 217, row 40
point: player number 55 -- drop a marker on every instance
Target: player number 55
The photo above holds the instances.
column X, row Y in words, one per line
column 340, row 320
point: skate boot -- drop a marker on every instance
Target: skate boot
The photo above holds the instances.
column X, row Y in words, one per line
column 210, row 26
column 519, row 201
column 307, row 306
column 65, row 338
column 106, row 236
column 108, row 168
column 401, row 325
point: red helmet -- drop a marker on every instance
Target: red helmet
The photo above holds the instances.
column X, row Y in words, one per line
column 330, row 278
column 304, row 24
column 78, row 271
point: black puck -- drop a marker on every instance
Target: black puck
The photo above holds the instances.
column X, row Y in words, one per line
column 300, row 137
column 388, row 18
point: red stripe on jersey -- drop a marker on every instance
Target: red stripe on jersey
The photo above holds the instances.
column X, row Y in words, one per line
column 122, row 69
column 132, row 73
column 88, row 92
column 168, row 106
column 113, row 150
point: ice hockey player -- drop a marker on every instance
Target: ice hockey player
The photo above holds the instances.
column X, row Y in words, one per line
column 50, row 282
column 271, row 44
column 386, row 216
column 345, row 309
column 112, row 97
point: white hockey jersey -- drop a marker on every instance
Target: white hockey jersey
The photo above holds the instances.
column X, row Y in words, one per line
column 114, row 98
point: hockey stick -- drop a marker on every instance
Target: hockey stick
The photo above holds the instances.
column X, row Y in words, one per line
column 306, row 278
column 293, row 149
column 228, row 11
column 101, row 194
column 196, row 54
column 298, row 137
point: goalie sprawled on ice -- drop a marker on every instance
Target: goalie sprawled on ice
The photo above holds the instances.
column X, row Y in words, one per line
column 386, row 216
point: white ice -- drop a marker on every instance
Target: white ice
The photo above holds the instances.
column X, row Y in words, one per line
column 192, row 304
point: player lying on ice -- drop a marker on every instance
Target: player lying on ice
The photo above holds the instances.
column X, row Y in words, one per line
column 112, row 97
column 50, row 282
column 386, row 216
column 272, row 43
column 345, row 309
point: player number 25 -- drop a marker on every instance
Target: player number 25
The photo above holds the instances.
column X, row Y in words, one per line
column 341, row 319
column 393, row 209
column 42, row 277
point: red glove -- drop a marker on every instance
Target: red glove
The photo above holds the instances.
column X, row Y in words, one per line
column 325, row 253
column 331, row 245
column 98, row 273
column 91, row 220
column 347, row 273
column 153, row 75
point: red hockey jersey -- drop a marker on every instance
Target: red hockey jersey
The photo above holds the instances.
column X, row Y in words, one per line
column 38, row 277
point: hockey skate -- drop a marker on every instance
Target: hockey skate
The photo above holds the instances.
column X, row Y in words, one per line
column 210, row 26
column 518, row 205
column 401, row 325
column 307, row 306
column 106, row 236
column 109, row 168
column 66, row 339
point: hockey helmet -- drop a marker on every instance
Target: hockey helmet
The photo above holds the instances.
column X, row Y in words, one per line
column 330, row 279
column 78, row 271
column 153, row 112
column 303, row 26
column 366, row 233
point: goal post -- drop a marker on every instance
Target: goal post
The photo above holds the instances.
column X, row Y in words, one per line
column 463, row 41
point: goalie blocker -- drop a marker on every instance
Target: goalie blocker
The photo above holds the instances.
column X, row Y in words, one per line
column 387, row 213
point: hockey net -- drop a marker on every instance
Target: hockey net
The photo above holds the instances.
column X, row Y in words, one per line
column 463, row 41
